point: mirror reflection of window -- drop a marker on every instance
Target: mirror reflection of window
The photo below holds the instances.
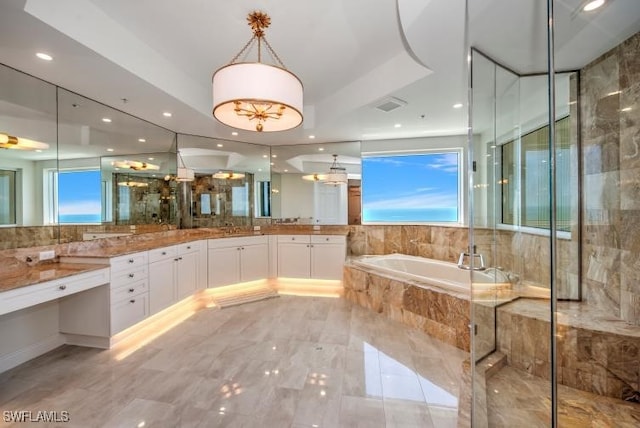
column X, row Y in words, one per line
column 7, row 197
column 79, row 196
column 263, row 199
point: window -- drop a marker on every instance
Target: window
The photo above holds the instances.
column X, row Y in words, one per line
column 263, row 199
column 411, row 187
column 534, row 176
column 79, row 199
column 7, row 197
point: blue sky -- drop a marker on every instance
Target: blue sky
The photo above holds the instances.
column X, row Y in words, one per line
column 410, row 182
column 79, row 192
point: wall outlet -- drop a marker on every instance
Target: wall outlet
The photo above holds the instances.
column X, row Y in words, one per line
column 256, row 228
column 47, row 255
column 316, row 227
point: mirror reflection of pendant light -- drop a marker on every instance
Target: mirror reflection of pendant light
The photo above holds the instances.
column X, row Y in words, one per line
column 254, row 96
column 19, row 143
column 228, row 175
column 337, row 173
column 184, row 173
column 135, row 165
column 133, row 184
column 315, row 177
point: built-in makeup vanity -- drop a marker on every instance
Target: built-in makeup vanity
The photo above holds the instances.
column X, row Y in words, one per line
column 97, row 294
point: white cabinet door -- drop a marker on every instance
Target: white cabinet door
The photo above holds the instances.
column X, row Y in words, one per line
column 294, row 259
column 327, row 261
column 161, row 284
column 187, row 276
column 224, row 266
column 254, row 262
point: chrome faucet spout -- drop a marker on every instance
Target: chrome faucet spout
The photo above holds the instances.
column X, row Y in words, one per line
column 471, row 257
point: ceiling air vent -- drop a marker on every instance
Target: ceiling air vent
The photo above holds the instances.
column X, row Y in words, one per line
column 389, row 104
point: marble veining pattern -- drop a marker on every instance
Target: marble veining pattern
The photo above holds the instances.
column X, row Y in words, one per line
column 288, row 362
column 610, row 93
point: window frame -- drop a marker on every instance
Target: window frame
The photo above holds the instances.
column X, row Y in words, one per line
column 51, row 197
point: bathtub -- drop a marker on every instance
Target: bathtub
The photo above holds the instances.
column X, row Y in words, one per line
column 442, row 275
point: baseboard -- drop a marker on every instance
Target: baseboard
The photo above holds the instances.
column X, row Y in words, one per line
column 30, row 352
column 88, row 341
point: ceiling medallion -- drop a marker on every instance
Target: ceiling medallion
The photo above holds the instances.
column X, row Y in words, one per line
column 255, row 96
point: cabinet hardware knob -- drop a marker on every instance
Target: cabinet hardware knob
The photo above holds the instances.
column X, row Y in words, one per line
column 238, row 248
column 62, row 287
column 189, row 247
column 311, row 245
column 179, row 258
column 131, row 290
column 176, row 259
column 164, row 253
column 326, row 239
column 243, row 248
column 130, row 260
column 132, row 301
column 131, row 275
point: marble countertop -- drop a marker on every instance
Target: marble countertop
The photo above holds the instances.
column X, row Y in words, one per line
column 16, row 273
column 42, row 272
column 147, row 242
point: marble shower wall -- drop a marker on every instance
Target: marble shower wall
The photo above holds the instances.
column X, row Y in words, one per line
column 610, row 100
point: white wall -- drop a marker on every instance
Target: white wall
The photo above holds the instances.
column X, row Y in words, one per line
column 296, row 197
column 28, row 333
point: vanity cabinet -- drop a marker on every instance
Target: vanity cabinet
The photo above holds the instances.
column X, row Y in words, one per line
column 129, row 291
column 234, row 260
column 173, row 274
column 311, row 256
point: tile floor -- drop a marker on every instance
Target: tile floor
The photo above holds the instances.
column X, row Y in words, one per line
column 285, row 362
column 517, row 399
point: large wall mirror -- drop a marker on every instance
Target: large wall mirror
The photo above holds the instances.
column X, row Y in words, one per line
column 67, row 165
column 301, row 192
column 28, row 146
column 231, row 183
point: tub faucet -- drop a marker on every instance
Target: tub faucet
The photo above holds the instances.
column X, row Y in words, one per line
column 468, row 256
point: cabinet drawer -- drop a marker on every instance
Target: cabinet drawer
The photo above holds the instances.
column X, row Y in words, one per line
column 24, row 297
column 128, row 276
column 163, row 253
column 328, row 239
column 128, row 312
column 129, row 261
column 304, row 239
column 188, row 247
column 238, row 242
column 129, row 290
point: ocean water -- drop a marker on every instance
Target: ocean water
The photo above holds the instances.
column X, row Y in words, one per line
column 392, row 215
column 79, row 218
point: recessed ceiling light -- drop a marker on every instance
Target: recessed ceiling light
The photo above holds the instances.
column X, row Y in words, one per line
column 259, row 169
column 592, row 5
column 272, row 164
column 321, row 149
column 151, row 158
column 142, row 140
column 219, row 145
column 457, row 105
column 106, row 120
column 265, row 156
column 166, row 114
column 44, row 56
column 311, row 137
column 274, row 156
column 397, row 125
column 286, row 170
column 234, row 133
column 109, row 150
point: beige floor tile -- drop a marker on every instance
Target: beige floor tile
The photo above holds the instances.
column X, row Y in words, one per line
column 290, row 361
